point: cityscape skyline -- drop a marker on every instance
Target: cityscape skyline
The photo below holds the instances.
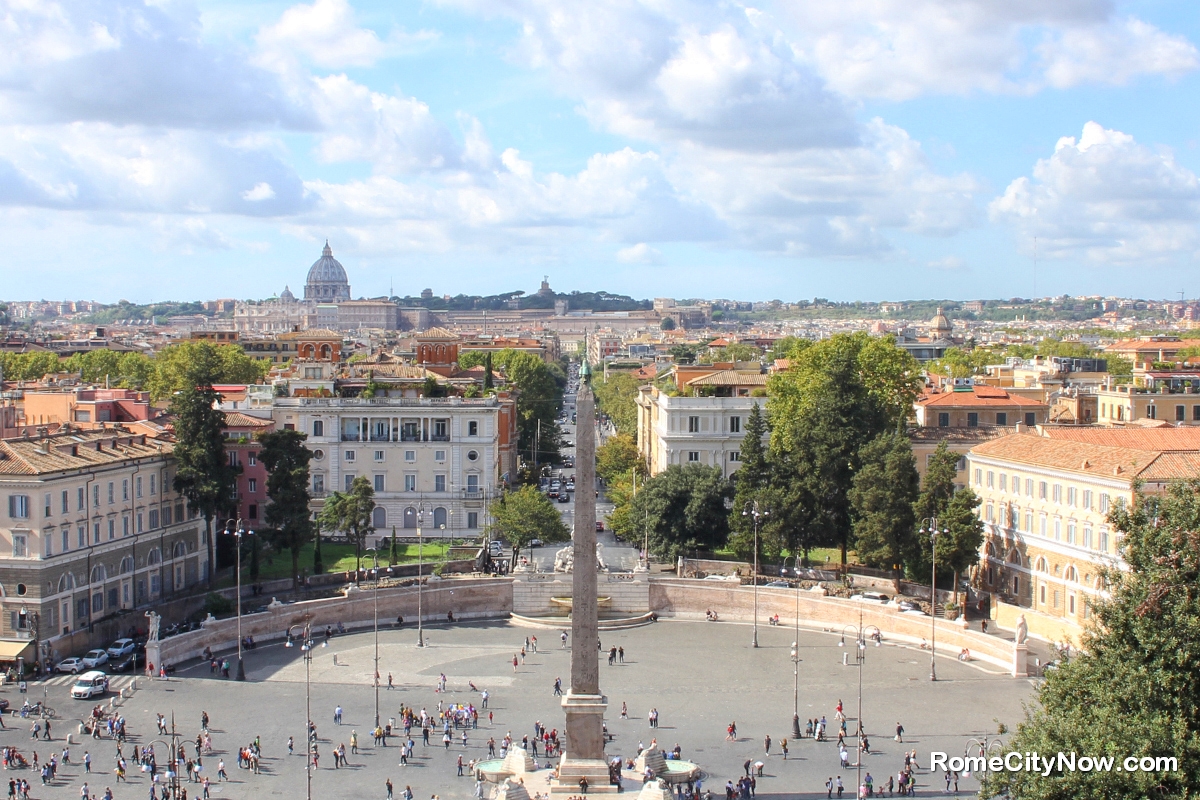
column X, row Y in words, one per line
column 871, row 151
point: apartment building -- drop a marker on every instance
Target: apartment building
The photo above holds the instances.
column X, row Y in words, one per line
column 434, row 462
column 90, row 528
column 692, row 430
column 1045, row 501
column 972, row 406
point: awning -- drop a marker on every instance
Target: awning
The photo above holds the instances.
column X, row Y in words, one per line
column 11, row 650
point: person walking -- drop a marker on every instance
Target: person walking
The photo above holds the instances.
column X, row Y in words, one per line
column 564, row 640
column 388, row 784
column 899, row 732
column 337, row 715
column 829, row 787
column 767, row 744
column 621, row 654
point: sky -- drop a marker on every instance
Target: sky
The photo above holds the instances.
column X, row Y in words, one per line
column 854, row 150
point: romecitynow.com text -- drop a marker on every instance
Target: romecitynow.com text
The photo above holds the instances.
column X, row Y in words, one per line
column 1048, row 765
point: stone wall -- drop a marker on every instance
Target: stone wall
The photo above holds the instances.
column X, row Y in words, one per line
column 1041, row 626
column 468, row 598
column 689, row 599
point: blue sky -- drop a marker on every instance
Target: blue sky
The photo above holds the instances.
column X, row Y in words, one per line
column 865, row 149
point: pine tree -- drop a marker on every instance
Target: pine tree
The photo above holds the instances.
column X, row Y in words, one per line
column 885, row 488
column 751, row 481
column 286, row 460
column 487, row 372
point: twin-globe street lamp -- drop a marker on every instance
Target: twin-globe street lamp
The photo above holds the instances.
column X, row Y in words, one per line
column 860, row 657
column 752, row 510
column 376, row 576
column 306, row 647
column 783, row 571
column 929, row 526
column 237, row 529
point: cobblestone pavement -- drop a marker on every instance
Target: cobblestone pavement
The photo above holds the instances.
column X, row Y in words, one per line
column 699, row 676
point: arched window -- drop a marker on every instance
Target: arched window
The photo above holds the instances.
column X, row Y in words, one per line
column 1041, row 565
column 379, row 517
column 410, row 517
column 153, row 557
column 126, row 565
column 179, row 551
column 66, row 582
column 991, row 550
column 99, row 574
column 1015, row 557
column 326, row 352
column 439, row 518
column 1072, row 575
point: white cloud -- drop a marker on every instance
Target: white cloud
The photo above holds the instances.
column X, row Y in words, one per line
column 187, row 235
column 1107, row 197
column 948, row 264
column 899, row 49
column 327, row 35
column 640, row 253
column 261, row 191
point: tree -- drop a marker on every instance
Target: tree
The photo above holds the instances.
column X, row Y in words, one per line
column 487, row 373
column 751, row 481
column 684, row 507
column 174, row 366
column 617, row 396
column 617, row 456
column 1130, row 689
column 393, row 551
column 351, row 512
column 954, row 510
column 958, row 548
column 683, row 353
column 524, row 515
column 286, row 460
column 204, row 475
column 667, row 324
column 884, row 489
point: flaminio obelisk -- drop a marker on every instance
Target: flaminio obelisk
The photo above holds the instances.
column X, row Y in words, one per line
column 583, row 757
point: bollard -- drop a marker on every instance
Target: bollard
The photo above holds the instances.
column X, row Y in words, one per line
column 845, row 661
column 335, row 661
column 132, row 686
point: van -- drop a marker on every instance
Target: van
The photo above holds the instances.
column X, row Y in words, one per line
column 89, row 685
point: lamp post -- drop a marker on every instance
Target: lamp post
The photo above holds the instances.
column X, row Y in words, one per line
column 860, row 658
column 420, row 552
column 753, row 511
column 929, row 526
column 795, row 648
column 238, row 532
column 306, row 648
column 375, row 574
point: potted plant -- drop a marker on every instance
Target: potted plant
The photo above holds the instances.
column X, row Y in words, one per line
column 950, row 611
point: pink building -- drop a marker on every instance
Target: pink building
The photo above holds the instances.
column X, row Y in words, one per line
column 242, row 447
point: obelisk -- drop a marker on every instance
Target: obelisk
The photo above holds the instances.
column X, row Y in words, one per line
column 583, row 756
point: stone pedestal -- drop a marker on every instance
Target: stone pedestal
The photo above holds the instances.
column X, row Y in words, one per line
column 584, row 754
column 1020, row 661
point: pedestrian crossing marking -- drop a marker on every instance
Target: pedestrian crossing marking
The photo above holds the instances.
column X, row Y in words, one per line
column 115, row 682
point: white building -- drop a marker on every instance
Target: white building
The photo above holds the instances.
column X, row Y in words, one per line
column 434, row 462
column 692, row 430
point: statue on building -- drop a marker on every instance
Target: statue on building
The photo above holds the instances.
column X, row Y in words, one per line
column 155, row 619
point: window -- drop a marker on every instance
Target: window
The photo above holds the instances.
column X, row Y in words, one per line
column 349, row 455
column 1003, row 482
column 1001, row 418
column 318, row 428
column 154, row 481
column 65, row 503
column 1072, row 496
column 1042, row 524
column 125, row 526
column 318, row 484
column 439, row 455
column 472, row 519
column 990, row 513
column 46, row 506
column 153, row 518
column 1056, row 593
column 440, row 518
column 472, row 484
column 379, row 456
column 112, row 529
column 1151, row 412
column 1103, row 503
column 140, row 528
column 1071, row 597
column 972, row 419
column 18, row 506
column 734, row 455
column 472, row 455
column 1180, row 413
column 1070, row 533
column 379, row 517
column 1058, row 530
column 96, row 496
column 439, row 483
column 991, row 479
column 978, row 477
column 693, row 455
column 252, row 510
column 472, row 428
column 943, row 419
column 1103, row 544
column 441, row 430
column 1029, row 522
column 1016, row 586
column 693, row 424
column 81, row 535
column 1031, row 419
column 125, row 489
column 66, row 539
column 111, row 493
column 1029, row 487
column 20, row 545
column 410, row 483
column 1087, row 538
column 349, row 480
column 1041, row 490
column 410, row 455
column 137, row 487
column 252, row 459
column 379, row 483
column 1196, row 413
column 1087, row 499
column 735, row 424
column 1057, row 493
column 1042, row 594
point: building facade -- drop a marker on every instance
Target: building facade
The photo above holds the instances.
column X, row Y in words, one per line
column 91, row 528
column 433, row 462
column 692, row 430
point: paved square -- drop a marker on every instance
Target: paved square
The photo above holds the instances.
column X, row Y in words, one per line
column 700, row 676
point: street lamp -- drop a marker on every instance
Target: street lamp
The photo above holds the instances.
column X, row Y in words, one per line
column 795, row 648
column 929, row 526
column 860, row 658
column 420, row 550
column 375, row 574
column 237, row 529
column 753, row 511
column 306, row 648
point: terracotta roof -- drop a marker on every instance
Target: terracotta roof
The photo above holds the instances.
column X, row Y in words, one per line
column 312, row 333
column 236, row 419
column 979, row 396
column 729, row 377
column 1091, row 459
column 1165, row 440
column 440, row 334
column 75, row 450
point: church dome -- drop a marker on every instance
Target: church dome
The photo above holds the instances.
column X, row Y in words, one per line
column 287, row 296
column 327, row 281
column 940, row 325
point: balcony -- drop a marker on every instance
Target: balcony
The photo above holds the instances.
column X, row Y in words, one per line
column 410, row 436
column 440, row 437
column 351, row 437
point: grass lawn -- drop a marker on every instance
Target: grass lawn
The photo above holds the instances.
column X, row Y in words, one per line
column 818, row 557
column 336, row 558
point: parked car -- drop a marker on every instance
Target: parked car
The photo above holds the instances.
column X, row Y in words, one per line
column 722, row 578
column 495, row 548
column 870, row 597
column 535, row 543
column 89, row 685
column 599, row 526
column 121, row 647
column 778, row 585
column 94, row 658
column 73, row 665
column 132, row 662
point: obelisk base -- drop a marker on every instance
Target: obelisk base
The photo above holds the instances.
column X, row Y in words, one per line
column 584, row 757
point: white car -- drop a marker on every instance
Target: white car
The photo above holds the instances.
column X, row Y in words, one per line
column 94, row 658
column 870, row 597
column 722, row 578
column 89, row 685
column 121, row 647
column 495, row 548
column 73, row 665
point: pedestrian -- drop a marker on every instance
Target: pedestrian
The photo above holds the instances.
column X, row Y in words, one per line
column 388, row 784
column 767, row 744
column 840, row 787
column 983, row 625
column 221, row 774
column 557, row 687
column 87, row 761
column 564, row 640
column 621, row 654
column 291, row 746
column 514, row 662
column 337, row 715
column 783, row 745
column 390, row 687
column 460, row 765
column 899, row 732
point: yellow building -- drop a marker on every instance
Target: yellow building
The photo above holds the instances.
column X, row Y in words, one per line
column 1045, row 501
